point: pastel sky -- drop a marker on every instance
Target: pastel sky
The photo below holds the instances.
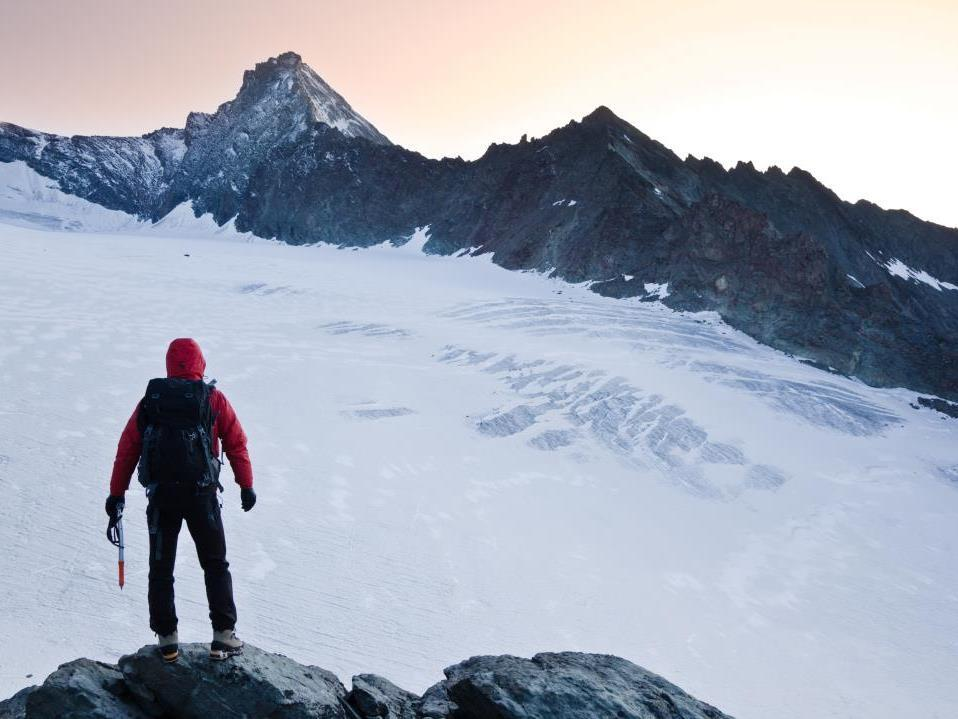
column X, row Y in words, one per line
column 863, row 94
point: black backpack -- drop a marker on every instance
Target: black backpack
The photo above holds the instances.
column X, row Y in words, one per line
column 177, row 425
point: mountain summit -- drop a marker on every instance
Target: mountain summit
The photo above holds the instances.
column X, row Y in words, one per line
column 281, row 101
column 286, row 82
column 851, row 287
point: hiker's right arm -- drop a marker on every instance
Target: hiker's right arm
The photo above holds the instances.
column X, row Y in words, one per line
column 127, row 455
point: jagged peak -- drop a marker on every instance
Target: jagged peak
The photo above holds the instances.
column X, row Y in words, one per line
column 288, row 58
column 797, row 173
column 602, row 114
column 602, row 117
column 271, row 66
column 287, row 80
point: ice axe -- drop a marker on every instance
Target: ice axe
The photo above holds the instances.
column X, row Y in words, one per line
column 115, row 534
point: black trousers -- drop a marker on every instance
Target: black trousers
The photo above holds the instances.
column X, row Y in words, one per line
column 168, row 508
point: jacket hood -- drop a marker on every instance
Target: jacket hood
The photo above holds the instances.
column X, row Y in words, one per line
column 184, row 359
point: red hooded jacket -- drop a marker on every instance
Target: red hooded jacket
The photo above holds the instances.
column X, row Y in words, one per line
column 184, row 359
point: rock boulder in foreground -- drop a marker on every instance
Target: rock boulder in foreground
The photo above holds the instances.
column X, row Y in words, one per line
column 566, row 685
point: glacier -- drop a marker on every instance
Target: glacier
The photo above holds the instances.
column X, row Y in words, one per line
column 454, row 459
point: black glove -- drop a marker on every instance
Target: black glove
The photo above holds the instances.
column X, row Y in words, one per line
column 247, row 498
column 114, row 508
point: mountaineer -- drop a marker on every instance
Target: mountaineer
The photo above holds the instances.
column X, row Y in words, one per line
column 173, row 438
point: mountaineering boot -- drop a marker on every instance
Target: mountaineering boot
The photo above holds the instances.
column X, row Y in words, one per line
column 169, row 646
column 225, row 644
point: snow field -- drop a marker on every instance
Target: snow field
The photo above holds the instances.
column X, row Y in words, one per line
column 453, row 459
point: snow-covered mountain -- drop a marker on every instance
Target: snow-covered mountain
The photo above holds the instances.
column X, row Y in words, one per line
column 456, row 459
column 128, row 174
column 280, row 101
column 850, row 287
column 214, row 155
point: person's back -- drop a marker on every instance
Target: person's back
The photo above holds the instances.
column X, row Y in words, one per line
column 174, row 436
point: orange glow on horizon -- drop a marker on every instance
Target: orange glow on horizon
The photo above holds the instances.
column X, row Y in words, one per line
column 861, row 94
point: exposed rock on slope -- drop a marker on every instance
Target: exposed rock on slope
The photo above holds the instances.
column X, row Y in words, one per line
column 120, row 173
column 851, row 287
column 568, row 685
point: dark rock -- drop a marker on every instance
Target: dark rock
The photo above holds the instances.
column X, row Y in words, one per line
column 939, row 405
column 83, row 689
column 16, row 706
column 567, row 685
column 374, row 696
column 254, row 684
column 436, row 703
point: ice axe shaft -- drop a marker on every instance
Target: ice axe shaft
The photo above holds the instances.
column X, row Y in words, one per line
column 119, row 563
column 114, row 533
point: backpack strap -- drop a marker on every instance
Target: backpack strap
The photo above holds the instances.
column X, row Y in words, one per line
column 214, row 463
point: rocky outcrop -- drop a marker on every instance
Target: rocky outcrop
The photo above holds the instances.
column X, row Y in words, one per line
column 849, row 287
column 939, row 405
column 81, row 688
column 374, row 696
column 259, row 684
column 130, row 174
column 567, row 685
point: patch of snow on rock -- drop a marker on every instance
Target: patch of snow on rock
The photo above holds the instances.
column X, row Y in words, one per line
column 899, row 269
column 657, row 289
column 417, row 240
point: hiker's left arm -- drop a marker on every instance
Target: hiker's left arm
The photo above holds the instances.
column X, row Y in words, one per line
column 231, row 434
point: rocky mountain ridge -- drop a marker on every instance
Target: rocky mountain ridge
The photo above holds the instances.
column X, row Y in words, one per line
column 852, row 288
column 565, row 685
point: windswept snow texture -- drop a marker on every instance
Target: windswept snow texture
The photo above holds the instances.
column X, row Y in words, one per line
column 453, row 459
